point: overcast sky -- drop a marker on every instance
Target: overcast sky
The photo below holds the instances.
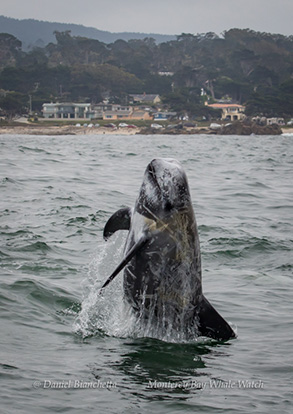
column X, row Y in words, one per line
column 160, row 16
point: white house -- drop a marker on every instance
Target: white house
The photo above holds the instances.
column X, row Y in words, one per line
column 67, row 110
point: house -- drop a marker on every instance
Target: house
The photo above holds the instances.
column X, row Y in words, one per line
column 119, row 112
column 230, row 112
column 141, row 115
column 165, row 73
column 99, row 109
column 79, row 111
column 164, row 116
column 145, row 98
column 67, row 110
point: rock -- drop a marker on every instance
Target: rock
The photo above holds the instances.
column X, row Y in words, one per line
column 248, row 127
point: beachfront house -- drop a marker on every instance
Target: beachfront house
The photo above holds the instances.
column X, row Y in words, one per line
column 164, row 116
column 230, row 112
column 99, row 109
column 141, row 115
column 83, row 111
column 119, row 112
column 67, row 110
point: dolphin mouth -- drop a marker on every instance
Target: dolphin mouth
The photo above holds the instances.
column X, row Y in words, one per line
column 153, row 177
column 151, row 170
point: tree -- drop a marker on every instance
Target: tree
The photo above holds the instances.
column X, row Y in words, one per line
column 157, row 84
column 183, row 101
column 237, row 90
column 90, row 81
column 12, row 104
column 10, row 49
column 249, row 66
column 33, row 58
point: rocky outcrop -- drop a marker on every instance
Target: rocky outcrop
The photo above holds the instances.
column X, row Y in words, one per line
column 175, row 131
column 248, row 127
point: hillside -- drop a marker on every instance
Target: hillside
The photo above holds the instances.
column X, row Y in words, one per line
column 39, row 33
column 244, row 66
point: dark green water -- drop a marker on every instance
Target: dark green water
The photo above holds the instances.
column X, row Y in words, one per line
column 56, row 195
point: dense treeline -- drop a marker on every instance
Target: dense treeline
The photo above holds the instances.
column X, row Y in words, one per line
column 250, row 67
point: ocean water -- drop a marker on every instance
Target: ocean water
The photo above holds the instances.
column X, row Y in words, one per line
column 67, row 349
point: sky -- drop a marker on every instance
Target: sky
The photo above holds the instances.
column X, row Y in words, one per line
column 160, row 16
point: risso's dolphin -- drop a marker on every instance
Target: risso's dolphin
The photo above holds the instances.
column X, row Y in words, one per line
column 162, row 261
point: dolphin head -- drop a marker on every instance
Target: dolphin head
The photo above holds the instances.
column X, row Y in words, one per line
column 164, row 190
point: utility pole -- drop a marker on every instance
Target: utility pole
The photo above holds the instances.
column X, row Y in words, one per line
column 30, row 105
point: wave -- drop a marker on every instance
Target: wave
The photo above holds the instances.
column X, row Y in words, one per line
column 8, row 180
column 244, row 244
column 23, row 148
column 42, row 294
column 35, row 247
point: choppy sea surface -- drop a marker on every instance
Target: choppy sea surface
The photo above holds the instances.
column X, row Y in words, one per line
column 65, row 348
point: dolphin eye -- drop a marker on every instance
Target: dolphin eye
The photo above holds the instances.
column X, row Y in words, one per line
column 168, row 206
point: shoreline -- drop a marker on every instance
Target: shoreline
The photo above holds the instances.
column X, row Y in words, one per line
column 73, row 130
column 63, row 130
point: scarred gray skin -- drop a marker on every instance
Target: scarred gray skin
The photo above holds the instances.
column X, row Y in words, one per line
column 162, row 281
column 168, row 269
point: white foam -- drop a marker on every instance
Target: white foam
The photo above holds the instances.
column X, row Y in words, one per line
column 108, row 313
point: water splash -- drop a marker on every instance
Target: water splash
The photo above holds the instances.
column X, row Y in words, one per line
column 109, row 314
column 102, row 312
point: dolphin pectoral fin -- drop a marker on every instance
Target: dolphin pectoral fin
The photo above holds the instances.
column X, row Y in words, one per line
column 118, row 221
column 132, row 252
column 211, row 323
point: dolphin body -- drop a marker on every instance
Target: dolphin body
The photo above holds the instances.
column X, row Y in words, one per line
column 162, row 261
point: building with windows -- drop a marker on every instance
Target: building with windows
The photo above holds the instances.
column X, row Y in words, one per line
column 86, row 111
column 230, row 112
column 119, row 112
column 67, row 110
column 145, row 98
column 164, row 116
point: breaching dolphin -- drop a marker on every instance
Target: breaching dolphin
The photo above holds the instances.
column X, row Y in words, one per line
column 162, row 261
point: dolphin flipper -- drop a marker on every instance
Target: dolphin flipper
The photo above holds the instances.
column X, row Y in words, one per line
column 132, row 252
column 118, row 221
column 211, row 323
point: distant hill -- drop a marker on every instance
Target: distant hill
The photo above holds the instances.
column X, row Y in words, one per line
column 39, row 33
